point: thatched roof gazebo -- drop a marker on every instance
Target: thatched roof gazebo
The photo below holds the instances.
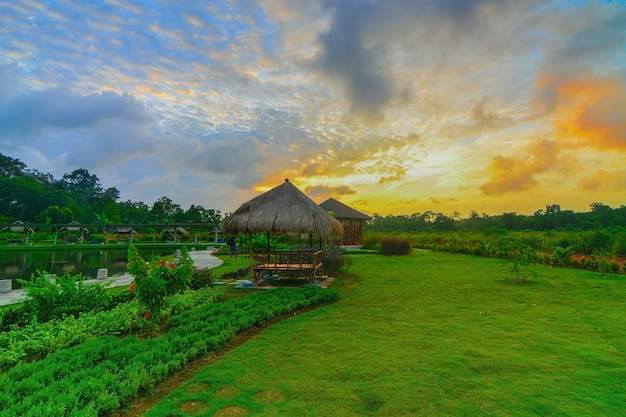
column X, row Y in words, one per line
column 283, row 209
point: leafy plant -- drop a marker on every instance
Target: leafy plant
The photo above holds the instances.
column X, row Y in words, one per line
column 155, row 282
column 201, row 278
column 522, row 258
column 562, row 256
column 335, row 260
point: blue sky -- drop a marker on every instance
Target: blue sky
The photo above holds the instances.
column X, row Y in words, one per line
column 396, row 106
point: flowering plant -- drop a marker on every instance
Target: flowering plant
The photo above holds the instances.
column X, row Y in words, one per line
column 157, row 280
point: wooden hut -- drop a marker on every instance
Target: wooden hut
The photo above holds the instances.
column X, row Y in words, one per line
column 351, row 219
column 283, row 209
column 177, row 232
column 18, row 227
column 72, row 228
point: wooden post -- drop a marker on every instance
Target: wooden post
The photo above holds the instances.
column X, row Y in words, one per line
column 251, row 260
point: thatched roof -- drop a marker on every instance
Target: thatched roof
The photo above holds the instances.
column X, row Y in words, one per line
column 342, row 211
column 283, row 209
column 179, row 230
column 74, row 227
column 124, row 230
column 18, row 226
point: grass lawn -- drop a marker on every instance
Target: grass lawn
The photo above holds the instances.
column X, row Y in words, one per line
column 430, row 334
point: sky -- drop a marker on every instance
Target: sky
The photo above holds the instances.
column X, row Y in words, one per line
column 392, row 107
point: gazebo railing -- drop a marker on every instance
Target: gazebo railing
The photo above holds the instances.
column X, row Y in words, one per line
column 291, row 261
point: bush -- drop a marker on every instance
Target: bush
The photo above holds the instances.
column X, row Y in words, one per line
column 48, row 299
column 335, row 260
column 395, row 246
column 155, row 282
column 201, row 278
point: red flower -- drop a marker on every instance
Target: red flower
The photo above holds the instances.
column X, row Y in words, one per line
column 132, row 287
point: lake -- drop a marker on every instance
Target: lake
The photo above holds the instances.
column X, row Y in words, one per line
column 23, row 264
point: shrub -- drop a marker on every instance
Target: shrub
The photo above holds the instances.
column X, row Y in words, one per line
column 201, row 278
column 154, row 282
column 335, row 260
column 395, row 246
column 67, row 294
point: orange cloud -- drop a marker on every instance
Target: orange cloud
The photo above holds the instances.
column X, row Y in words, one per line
column 518, row 173
column 588, row 111
column 603, row 180
column 320, row 193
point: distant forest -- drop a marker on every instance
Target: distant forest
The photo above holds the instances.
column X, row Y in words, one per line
column 35, row 197
column 600, row 216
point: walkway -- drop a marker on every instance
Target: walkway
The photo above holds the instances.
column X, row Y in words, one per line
column 201, row 260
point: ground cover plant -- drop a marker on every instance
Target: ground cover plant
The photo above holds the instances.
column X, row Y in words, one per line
column 430, row 334
column 103, row 374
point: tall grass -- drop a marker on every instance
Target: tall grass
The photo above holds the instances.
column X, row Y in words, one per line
column 431, row 334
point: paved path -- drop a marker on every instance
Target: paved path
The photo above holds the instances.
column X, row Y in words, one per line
column 201, row 260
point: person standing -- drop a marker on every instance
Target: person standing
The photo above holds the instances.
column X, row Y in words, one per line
column 232, row 244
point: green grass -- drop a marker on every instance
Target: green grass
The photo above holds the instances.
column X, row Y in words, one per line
column 431, row 334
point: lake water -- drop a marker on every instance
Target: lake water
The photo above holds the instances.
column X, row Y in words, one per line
column 23, row 264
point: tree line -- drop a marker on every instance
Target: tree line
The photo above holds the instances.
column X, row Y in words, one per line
column 31, row 196
column 551, row 218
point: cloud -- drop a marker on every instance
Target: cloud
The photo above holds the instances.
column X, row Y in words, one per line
column 59, row 108
column 320, row 193
column 245, row 159
column 603, row 181
column 397, row 176
column 488, row 118
column 590, row 112
column 366, row 42
column 515, row 174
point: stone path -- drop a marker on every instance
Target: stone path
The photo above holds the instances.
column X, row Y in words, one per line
column 201, row 260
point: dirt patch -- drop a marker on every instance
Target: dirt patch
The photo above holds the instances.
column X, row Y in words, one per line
column 197, row 387
column 226, row 393
column 271, row 396
column 194, row 407
column 231, row 411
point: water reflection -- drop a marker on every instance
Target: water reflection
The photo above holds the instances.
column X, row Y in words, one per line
column 87, row 262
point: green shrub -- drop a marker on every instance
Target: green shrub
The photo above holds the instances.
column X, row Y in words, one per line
column 154, row 282
column 201, row 278
column 395, row 246
column 49, row 297
column 335, row 260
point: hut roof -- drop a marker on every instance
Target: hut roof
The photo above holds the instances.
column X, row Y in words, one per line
column 179, row 230
column 125, row 230
column 18, row 226
column 74, row 226
column 341, row 211
column 283, row 209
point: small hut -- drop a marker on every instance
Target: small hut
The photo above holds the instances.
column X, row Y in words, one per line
column 72, row 228
column 18, row 227
column 284, row 209
column 174, row 231
column 125, row 231
column 351, row 219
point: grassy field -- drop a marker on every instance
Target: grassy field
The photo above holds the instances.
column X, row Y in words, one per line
column 430, row 334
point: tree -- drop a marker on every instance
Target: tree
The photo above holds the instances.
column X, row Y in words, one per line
column 166, row 210
column 11, row 167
